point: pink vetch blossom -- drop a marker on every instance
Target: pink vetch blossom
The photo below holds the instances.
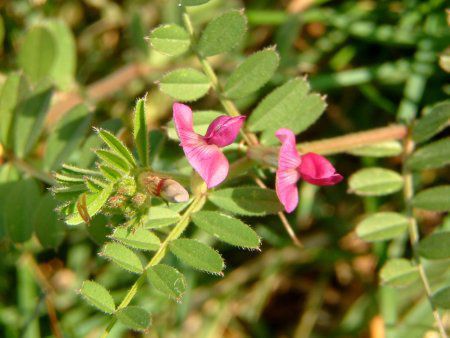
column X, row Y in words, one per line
column 292, row 166
column 203, row 152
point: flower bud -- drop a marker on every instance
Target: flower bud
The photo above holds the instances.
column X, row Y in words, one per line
column 166, row 188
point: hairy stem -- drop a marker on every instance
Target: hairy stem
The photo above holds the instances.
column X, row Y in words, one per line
column 157, row 257
column 408, row 194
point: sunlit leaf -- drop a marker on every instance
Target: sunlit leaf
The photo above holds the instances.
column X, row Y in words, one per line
column 140, row 132
column 398, row 272
column 97, row 296
column 136, row 238
column 375, row 182
column 167, row 280
column 434, row 122
column 435, row 246
column 170, row 39
column 434, row 155
column 116, row 146
column 435, row 199
column 382, row 226
column 441, row 298
column 113, row 160
column 383, row 149
column 159, row 217
column 185, row 84
column 193, row 2
column 123, row 257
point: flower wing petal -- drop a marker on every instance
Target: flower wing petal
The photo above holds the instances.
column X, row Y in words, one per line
column 288, row 157
column 316, row 169
column 224, row 130
column 286, row 188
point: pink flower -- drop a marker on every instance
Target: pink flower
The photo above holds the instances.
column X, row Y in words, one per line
column 292, row 166
column 203, row 152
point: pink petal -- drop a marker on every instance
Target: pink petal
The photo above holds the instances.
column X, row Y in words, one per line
column 224, row 130
column 288, row 157
column 207, row 159
column 317, row 170
column 182, row 117
column 286, row 188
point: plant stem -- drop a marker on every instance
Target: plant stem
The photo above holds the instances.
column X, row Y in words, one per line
column 158, row 256
column 408, row 193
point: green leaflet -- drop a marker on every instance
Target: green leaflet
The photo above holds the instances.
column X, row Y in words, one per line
column 134, row 318
column 433, row 155
column 375, row 182
column 94, row 203
column 252, row 74
column 38, row 53
column 140, row 133
column 246, row 201
column 99, row 229
column 201, row 119
column 159, row 217
column 226, row 228
column 185, row 84
column 113, row 160
column 383, row 149
column 97, row 296
column 435, row 246
column 65, row 62
column 198, row 255
column 19, row 208
column 432, row 123
column 170, row 39
column 136, row 238
column 49, row 229
column 193, row 2
column 29, row 121
column 167, row 280
column 67, row 135
column 123, row 257
column 398, row 272
column 289, row 106
column 434, row 199
column 14, row 89
column 441, row 298
column 223, row 33
column 117, row 147
column 382, row 226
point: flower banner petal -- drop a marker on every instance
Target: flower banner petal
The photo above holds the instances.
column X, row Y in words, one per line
column 316, row 169
column 224, row 130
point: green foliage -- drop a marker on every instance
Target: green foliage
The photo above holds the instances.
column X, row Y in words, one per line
column 170, row 39
column 384, row 149
column 435, row 199
column 435, row 246
column 222, row 34
column 67, row 136
column 441, row 298
column 227, row 229
column 136, row 238
column 185, row 84
column 375, row 182
column 252, row 74
column 134, row 317
column 246, row 201
column 289, row 106
column 97, row 296
column 159, row 217
column 382, row 226
column 167, row 280
column 198, row 255
column 38, row 53
column 123, row 257
column 116, row 162
column 117, row 147
column 140, row 132
column 193, row 2
column 433, row 155
column 49, row 229
column 432, row 123
column 398, row 272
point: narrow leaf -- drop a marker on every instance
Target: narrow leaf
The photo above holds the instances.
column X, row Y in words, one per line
column 170, row 39
column 123, row 257
column 113, row 160
column 223, row 33
column 117, row 146
column 434, row 155
column 375, row 182
column 433, row 123
column 140, row 133
column 398, row 272
column 97, row 296
column 193, row 2
column 247, row 201
column 185, row 84
column 434, row 199
column 435, row 246
column 289, row 106
column 227, row 229
column 198, row 255
column 382, row 226
column 167, row 280
column 383, row 149
column 67, row 135
column 252, row 74
column 137, row 238
column 134, row 318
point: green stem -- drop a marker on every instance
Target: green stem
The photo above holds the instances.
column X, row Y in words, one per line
column 408, row 193
column 158, row 256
